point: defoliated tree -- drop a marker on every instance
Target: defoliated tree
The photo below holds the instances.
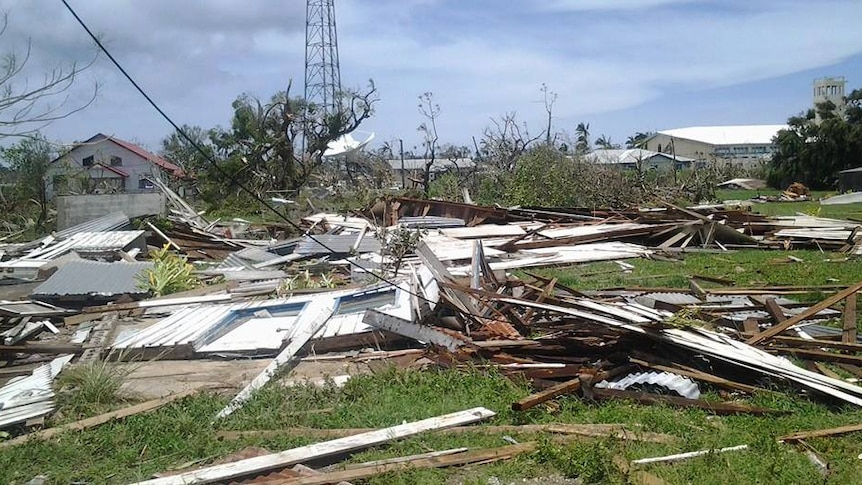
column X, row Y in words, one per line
column 430, row 110
column 262, row 148
column 25, row 107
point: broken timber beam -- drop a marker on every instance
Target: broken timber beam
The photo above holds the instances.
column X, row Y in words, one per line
column 539, row 397
column 821, row 433
column 225, row 472
column 811, row 311
column 422, row 333
column 592, row 430
column 848, row 335
column 818, row 355
column 485, row 455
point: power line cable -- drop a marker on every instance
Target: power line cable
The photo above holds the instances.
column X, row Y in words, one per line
column 215, row 164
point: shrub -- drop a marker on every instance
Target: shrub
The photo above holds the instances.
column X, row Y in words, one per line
column 171, row 273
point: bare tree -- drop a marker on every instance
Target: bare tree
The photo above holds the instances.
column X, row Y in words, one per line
column 503, row 143
column 550, row 98
column 430, row 110
column 26, row 108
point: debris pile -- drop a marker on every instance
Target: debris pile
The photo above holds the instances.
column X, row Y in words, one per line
column 351, row 287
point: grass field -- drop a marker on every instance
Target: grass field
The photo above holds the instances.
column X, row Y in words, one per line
column 182, row 434
column 811, row 207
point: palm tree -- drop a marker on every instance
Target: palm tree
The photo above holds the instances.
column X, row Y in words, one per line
column 583, row 142
column 638, row 140
column 605, row 142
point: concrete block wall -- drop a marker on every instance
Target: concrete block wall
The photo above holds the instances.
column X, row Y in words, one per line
column 75, row 209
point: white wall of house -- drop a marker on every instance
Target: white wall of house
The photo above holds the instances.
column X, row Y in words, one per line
column 105, row 153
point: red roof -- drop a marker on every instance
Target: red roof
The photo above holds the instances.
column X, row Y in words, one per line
column 151, row 157
column 161, row 162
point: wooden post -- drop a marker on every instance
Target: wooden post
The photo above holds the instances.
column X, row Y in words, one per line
column 848, row 336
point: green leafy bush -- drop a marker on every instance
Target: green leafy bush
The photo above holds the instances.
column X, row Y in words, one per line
column 171, row 273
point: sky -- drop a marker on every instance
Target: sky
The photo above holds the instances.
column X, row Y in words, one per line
column 622, row 66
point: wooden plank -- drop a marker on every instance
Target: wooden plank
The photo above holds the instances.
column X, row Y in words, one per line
column 486, row 455
column 100, row 419
column 415, row 331
column 775, row 311
column 852, row 369
column 819, row 355
column 537, row 398
column 250, row 466
column 593, row 430
column 714, row 407
column 170, row 300
column 310, row 321
column 848, row 335
column 821, row 433
column 40, row 348
column 816, row 343
column 811, row 311
column 402, row 459
column 566, row 387
column 750, row 326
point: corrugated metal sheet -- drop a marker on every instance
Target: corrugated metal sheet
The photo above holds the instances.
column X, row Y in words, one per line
column 263, row 325
column 649, row 299
column 29, row 308
column 484, row 230
column 87, row 241
column 110, row 222
column 93, row 278
column 430, row 222
column 337, row 243
column 30, row 396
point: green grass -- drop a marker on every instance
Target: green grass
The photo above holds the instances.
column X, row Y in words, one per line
column 744, row 267
column 810, row 207
column 179, row 434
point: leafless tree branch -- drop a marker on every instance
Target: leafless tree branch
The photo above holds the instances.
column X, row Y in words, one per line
column 26, row 109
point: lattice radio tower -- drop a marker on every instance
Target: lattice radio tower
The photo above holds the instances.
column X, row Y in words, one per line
column 322, row 72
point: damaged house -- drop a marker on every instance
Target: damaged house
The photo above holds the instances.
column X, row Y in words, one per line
column 106, row 164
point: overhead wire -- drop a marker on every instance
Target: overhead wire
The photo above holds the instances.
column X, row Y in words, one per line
column 220, row 170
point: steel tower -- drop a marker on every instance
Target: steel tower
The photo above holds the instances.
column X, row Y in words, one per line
column 322, row 72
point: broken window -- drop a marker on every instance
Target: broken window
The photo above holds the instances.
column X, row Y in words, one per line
column 87, row 161
column 116, row 162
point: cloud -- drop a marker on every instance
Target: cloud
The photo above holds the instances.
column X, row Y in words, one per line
column 605, row 5
column 480, row 58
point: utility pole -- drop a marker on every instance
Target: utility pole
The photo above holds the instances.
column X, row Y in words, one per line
column 403, row 175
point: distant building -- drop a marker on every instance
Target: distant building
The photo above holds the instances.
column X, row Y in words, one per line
column 829, row 89
column 414, row 168
column 105, row 164
column 631, row 157
column 850, row 180
column 744, row 145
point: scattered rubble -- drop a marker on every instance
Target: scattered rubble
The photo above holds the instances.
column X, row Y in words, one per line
column 336, row 293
